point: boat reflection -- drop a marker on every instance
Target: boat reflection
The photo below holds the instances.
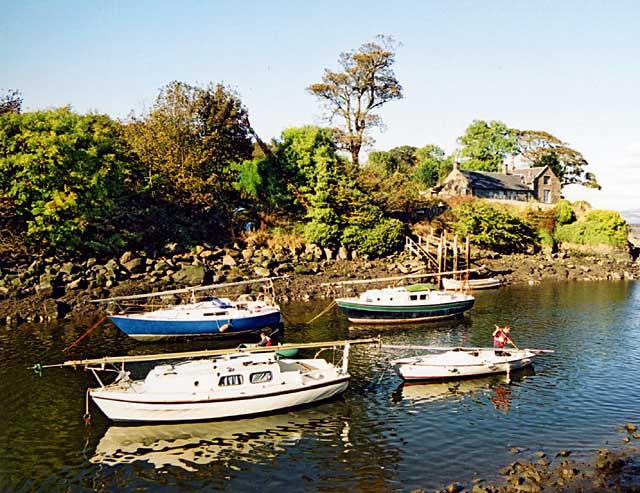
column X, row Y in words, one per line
column 496, row 387
column 189, row 445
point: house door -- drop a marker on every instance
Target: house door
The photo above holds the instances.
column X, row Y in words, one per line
column 546, row 198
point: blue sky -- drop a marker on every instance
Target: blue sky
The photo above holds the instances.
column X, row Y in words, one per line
column 571, row 68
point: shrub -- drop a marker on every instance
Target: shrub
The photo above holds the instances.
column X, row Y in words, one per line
column 564, row 212
column 599, row 227
column 382, row 238
column 493, row 228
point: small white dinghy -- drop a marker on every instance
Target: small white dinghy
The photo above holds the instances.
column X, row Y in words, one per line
column 217, row 384
column 452, row 363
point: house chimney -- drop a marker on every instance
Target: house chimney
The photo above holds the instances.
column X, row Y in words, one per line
column 456, row 166
column 505, row 168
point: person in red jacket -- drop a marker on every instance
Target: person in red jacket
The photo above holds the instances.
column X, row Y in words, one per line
column 500, row 338
column 265, row 340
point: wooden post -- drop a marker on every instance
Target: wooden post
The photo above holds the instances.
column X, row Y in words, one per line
column 455, row 252
column 468, row 252
column 439, row 259
column 444, row 252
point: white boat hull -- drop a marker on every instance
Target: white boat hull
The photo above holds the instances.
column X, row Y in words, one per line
column 117, row 408
column 473, row 284
column 456, row 364
column 225, row 387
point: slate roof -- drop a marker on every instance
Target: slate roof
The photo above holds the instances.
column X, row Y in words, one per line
column 529, row 174
column 484, row 180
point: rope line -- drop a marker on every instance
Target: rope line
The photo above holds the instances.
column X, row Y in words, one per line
column 99, row 322
column 322, row 312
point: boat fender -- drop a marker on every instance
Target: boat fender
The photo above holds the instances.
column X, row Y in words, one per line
column 224, row 327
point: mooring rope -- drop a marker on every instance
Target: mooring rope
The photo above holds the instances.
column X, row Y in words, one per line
column 322, row 312
column 86, row 333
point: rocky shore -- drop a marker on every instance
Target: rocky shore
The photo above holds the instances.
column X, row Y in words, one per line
column 49, row 288
column 615, row 471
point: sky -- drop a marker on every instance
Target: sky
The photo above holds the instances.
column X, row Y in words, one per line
column 571, row 68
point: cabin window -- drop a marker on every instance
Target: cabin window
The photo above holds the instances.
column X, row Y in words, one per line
column 423, row 296
column 261, row 377
column 228, row 380
column 413, row 297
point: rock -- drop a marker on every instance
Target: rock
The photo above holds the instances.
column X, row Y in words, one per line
column 189, row 275
column 135, row 265
column 631, row 427
column 229, row 261
column 261, row 271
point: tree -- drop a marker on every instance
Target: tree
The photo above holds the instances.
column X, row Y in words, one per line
column 431, row 165
column 485, row 145
column 11, row 102
column 540, row 148
column 189, row 140
column 61, row 173
column 366, row 83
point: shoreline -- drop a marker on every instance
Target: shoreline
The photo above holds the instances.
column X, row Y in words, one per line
column 44, row 289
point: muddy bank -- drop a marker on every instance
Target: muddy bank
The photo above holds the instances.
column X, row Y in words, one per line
column 40, row 289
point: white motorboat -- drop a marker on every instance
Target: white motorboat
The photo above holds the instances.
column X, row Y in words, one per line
column 453, row 363
column 472, row 284
column 217, row 384
column 413, row 303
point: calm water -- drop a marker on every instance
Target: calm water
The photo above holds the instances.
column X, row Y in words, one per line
column 379, row 436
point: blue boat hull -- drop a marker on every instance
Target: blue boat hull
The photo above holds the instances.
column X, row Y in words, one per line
column 369, row 313
column 151, row 330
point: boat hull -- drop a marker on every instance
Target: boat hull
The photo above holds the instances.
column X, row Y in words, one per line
column 473, row 284
column 363, row 312
column 469, row 364
column 144, row 329
column 124, row 408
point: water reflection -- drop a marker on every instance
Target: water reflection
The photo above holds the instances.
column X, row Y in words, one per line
column 497, row 388
column 190, row 445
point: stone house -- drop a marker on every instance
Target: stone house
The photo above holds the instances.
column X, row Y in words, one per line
column 522, row 184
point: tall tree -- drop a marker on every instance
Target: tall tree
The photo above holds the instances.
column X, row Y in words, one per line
column 540, row 148
column 11, row 102
column 189, row 140
column 485, row 145
column 366, row 83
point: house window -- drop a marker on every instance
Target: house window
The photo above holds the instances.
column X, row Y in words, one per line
column 261, row 377
column 546, row 196
column 546, row 180
column 230, row 380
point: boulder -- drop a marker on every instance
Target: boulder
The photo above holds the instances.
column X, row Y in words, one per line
column 190, row 275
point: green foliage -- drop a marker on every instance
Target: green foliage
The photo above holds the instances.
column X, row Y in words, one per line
column 382, row 238
column 321, row 233
column 486, row 145
column 61, row 172
column 599, row 227
column 431, row 165
column 258, row 180
column 493, row 228
column 545, row 239
column 564, row 212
